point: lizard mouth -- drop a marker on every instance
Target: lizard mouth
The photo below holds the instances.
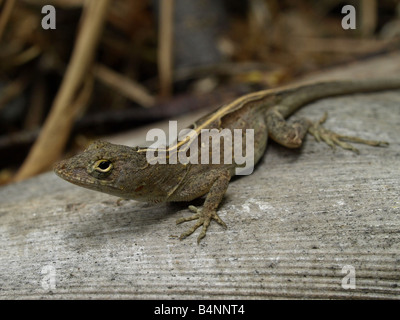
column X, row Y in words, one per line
column 80, row 177
column 76, row 175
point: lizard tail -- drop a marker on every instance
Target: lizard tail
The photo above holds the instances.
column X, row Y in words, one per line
column 296, row 97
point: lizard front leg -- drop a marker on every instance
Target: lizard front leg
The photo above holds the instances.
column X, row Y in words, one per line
column 205, row 215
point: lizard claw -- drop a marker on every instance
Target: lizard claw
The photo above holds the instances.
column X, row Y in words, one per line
column 333, row 139
column 203, row 219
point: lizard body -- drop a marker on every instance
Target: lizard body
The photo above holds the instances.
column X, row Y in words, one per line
column 125, row 172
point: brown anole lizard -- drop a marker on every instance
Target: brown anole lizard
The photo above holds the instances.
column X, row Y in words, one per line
column 125, row 171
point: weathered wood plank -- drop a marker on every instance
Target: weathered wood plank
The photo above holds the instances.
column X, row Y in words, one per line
column 292, row 226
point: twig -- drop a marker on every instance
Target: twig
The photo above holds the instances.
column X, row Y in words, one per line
column 369, row 15
column 36, row 111
column 5, row 15
column 340, row 45
column 125, row 86
column 23, row 57
column 165, row 39
column 13, row 89
column 57, row 127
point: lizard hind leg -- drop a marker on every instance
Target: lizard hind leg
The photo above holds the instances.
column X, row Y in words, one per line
column 287, row 134
column 333, row 139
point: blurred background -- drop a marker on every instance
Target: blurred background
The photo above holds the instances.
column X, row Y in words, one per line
column 115, row 65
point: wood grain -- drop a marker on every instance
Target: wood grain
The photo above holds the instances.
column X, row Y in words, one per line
column 292, row 225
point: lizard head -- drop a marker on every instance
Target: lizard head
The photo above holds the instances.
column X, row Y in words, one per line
column 109, row 168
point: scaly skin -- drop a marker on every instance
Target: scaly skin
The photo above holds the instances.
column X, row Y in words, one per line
column 125, row 172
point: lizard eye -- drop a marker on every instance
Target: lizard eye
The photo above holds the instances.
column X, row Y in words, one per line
column 103, row 166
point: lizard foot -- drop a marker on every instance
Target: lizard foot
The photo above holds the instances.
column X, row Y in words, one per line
column 204, row 219
column 333, row 139
column 121, row 200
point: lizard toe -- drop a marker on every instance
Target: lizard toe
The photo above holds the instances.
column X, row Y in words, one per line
column 334, row 139
column 203, row 218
